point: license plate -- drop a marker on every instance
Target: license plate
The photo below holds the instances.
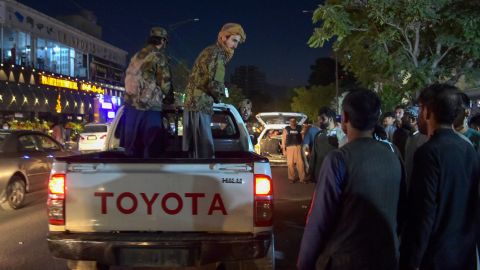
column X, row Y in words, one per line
column 91, row 137
column 144, row 257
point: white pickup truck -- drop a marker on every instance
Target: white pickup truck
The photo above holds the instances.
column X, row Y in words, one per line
column 109, row 209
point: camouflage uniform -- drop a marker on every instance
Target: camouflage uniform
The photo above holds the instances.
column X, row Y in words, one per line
column 155, row 80
column 143, row 132
column 206, row 83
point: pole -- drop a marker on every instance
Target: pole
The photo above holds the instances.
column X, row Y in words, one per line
column 336, row 83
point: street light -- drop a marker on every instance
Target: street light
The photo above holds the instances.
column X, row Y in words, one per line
column 307, row 11
column 173, row 26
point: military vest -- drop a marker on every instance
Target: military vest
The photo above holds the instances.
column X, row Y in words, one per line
column 294, row 136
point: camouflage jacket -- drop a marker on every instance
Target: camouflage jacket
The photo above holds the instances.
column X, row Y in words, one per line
column 155, row 80
column 206, row 82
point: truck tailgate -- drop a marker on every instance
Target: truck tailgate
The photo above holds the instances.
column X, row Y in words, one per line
column 159, row 197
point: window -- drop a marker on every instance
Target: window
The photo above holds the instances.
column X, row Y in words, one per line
column 223, row 126
column 17, row 47
column 95, row 128
column 56, row 57
column 48, row 144
column 28, row 143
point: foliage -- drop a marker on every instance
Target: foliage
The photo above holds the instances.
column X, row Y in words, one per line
column 402, row 44
column 323, row 73
column 310, row 100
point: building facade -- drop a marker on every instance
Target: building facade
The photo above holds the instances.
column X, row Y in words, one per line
column 50, row 68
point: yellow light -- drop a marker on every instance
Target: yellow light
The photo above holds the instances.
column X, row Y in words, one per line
column 263, row 185
column 46, row 80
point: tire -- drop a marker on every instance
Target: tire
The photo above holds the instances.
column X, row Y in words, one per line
column 265, row 263
column 15, row 194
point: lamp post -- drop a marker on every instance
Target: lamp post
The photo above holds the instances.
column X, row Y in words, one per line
column 174, row 26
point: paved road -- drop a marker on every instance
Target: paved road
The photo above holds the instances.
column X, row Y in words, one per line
column 22, row 232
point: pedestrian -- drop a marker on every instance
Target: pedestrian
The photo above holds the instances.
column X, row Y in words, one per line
column 309, row 131
column 326, row 140
column 399, row 112
column 206, row 86
column 443, row 201
column 389, row 125
column 147, row 85
column 415, row 138
column 245, row 108
column 292, row 150
column 58, row 131
column 461, row 123
column 352, row 220
column 474, row 122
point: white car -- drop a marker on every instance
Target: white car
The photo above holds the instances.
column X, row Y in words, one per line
column 93, row 137
column 270, row 139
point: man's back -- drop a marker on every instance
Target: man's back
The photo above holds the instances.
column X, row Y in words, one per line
column 443, row 205
column 363, row 233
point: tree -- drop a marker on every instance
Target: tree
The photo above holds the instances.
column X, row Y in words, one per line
column 402, row 44
column 235, row 95
column 310, row 100
column 323, row 73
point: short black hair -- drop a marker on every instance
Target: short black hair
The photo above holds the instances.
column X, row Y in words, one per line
column 444, row 100
column 154, row 40
column 329, row 112
column 363, row 108
column 399, row 107
column 389, row 114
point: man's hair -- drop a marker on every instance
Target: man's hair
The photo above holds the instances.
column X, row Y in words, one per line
column 329, row 112
column 399, row 107
column 388, row 114
column 154, row 40
column 363, row 108
column 444, row 100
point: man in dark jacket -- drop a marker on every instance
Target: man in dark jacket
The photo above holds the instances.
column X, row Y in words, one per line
column 352, row 222
column 441, row 226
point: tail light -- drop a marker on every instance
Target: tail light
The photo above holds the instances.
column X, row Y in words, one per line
column 263, row 211
column 103, row 136
column 56, row 199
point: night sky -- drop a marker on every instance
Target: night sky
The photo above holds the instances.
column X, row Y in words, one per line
column 277, row 31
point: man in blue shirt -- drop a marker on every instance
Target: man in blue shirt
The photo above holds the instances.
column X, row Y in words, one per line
column 352, row 223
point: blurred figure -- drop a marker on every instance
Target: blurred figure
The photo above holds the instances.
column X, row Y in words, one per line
column 309, row 132
column 352, row 220
column 326, row 140
column 441, row 229
column 58, row 131
column 245, row 108
column 475, row 122
column 415, row 139
column 389, row 125
column 292, row 150
column 399, row 111
column 461, row 122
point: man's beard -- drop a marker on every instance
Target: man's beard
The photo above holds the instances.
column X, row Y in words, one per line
column 324, row 126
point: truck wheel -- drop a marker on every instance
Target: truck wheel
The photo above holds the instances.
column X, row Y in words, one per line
column 265, row 263
column 15, row 194
column 86, row 265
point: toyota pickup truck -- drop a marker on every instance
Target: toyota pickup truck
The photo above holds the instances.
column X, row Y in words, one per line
column 108, row 209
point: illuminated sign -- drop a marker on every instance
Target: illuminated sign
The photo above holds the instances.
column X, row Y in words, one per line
column 58, row 82
column 91, row 88
column 107, row 105
column 111, row 114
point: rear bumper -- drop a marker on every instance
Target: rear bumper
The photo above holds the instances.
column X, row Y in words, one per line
column 158, row 249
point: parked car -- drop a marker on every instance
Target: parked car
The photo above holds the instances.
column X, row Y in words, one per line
column 270, row 139
column 26, row 159
column 93, row 137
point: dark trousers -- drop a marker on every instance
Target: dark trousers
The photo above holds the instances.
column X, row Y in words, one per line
column 143, row 134
column 197, row 134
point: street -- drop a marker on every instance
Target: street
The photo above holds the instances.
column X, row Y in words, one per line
column 24, row 231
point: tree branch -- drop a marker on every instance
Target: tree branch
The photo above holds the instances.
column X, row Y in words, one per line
column 436, row 62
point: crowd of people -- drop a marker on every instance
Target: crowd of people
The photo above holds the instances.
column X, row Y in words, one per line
column 404, row 195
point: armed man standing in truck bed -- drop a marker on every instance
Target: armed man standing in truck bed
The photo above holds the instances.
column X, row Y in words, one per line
column 147, row 85
column 206, row 86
